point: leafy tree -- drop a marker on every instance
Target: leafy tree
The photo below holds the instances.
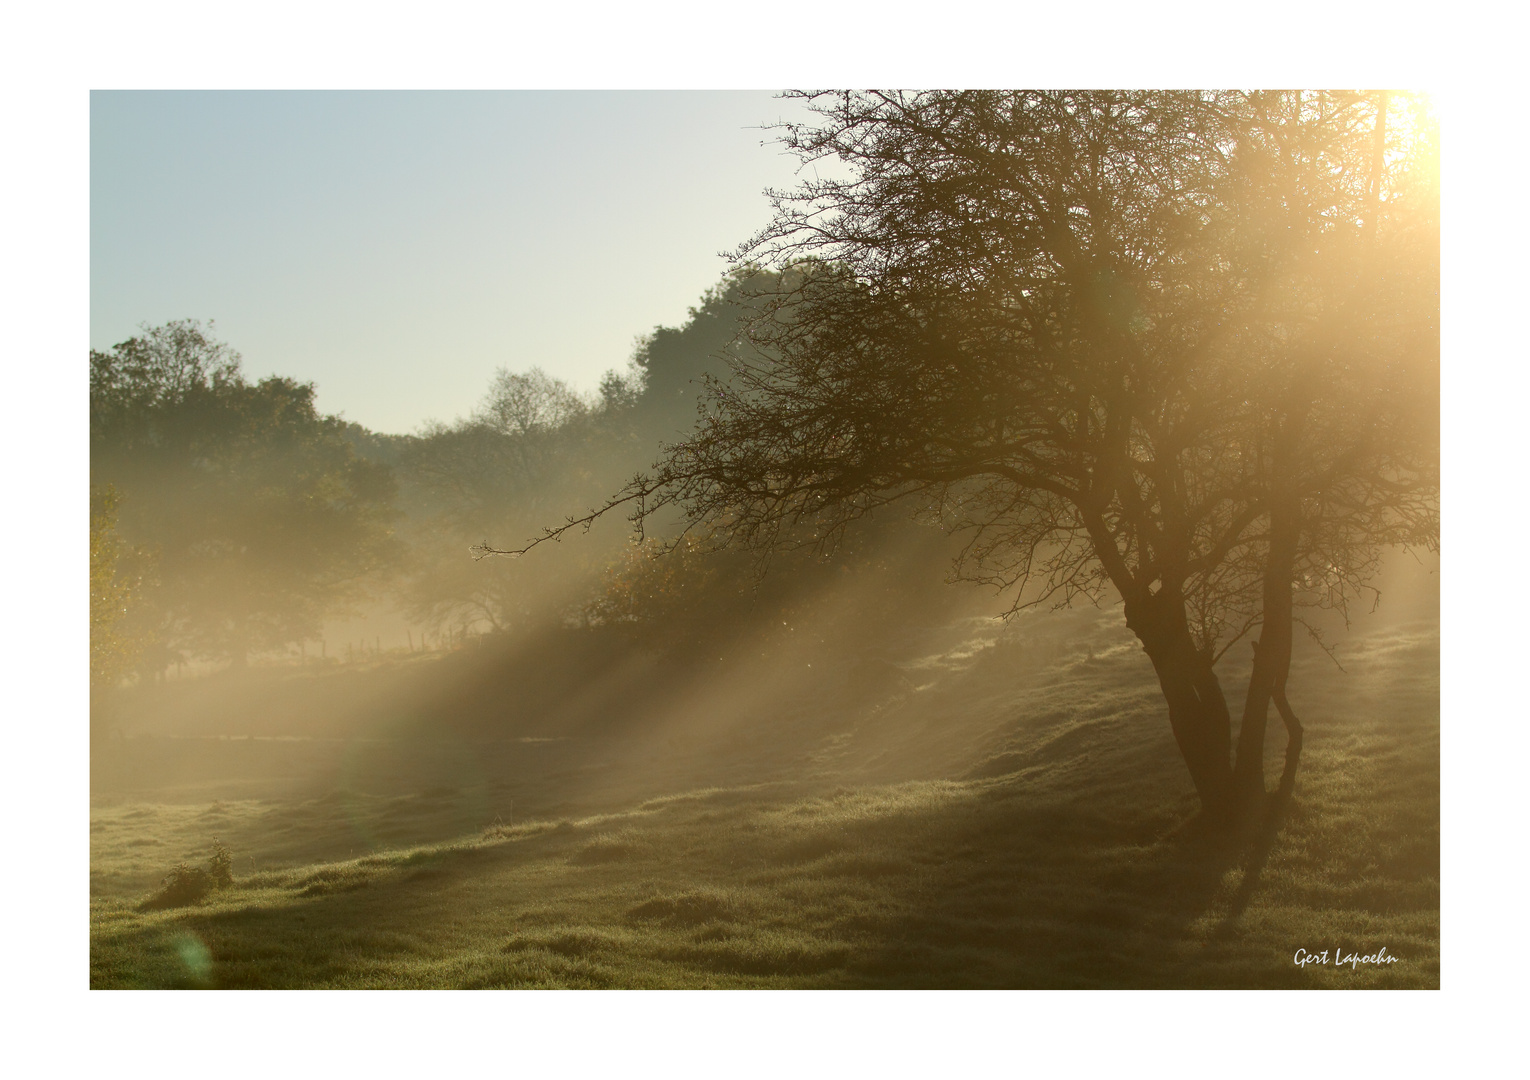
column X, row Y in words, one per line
column 531, row 442
column 261, row 517
column 1174, row 347
column 534, row 444
column 672, row 363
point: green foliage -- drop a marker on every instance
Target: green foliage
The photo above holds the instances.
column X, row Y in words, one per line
column 533, row 449
column 531, row 444
column 261, row 516
column 654, row 583
column 698, row 596
column 536, row 450
column 673, row 363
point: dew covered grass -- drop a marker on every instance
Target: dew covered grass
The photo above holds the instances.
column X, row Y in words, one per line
column 1009, row 811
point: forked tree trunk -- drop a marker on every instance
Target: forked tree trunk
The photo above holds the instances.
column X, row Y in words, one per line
column 1198, row 711
column 1272, row 652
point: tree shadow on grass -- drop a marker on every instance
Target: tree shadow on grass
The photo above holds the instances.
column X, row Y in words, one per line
column 1275, row 812
column 1052, row 897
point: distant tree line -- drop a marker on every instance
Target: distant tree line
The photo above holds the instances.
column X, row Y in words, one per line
column 230, row 518
column 249, row 516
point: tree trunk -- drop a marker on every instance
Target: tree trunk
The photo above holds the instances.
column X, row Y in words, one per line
column 1198, row 711
column 1293, row 732
column 1272, row 653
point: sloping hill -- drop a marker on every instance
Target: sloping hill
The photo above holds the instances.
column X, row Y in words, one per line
column 961, row 805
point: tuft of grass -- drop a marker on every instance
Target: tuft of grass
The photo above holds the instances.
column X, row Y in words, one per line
column 690, row 908
column 611, row 847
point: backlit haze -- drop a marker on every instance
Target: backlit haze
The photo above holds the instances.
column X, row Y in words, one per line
column 396, row 248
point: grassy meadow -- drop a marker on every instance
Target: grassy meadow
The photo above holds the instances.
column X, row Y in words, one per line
column 967, row 804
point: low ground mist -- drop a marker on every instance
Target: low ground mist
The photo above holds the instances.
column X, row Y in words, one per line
column 953, row 802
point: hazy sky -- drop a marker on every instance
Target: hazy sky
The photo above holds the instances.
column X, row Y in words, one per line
column 398, row 247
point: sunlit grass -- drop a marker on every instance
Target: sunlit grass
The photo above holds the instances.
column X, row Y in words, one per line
column 1022, row 821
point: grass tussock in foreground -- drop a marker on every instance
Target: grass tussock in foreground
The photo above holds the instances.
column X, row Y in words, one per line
column 963, row 830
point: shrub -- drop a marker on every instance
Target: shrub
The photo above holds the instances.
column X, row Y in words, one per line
column 220, row 869
column 186, row 884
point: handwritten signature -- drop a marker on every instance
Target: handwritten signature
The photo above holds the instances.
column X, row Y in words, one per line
column 1352, row 960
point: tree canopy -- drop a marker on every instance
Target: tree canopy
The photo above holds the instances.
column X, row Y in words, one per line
column 532, row 446
column 258, row 515
column 1176, row 347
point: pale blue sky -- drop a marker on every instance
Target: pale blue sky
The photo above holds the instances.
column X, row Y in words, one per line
column 398, row 247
